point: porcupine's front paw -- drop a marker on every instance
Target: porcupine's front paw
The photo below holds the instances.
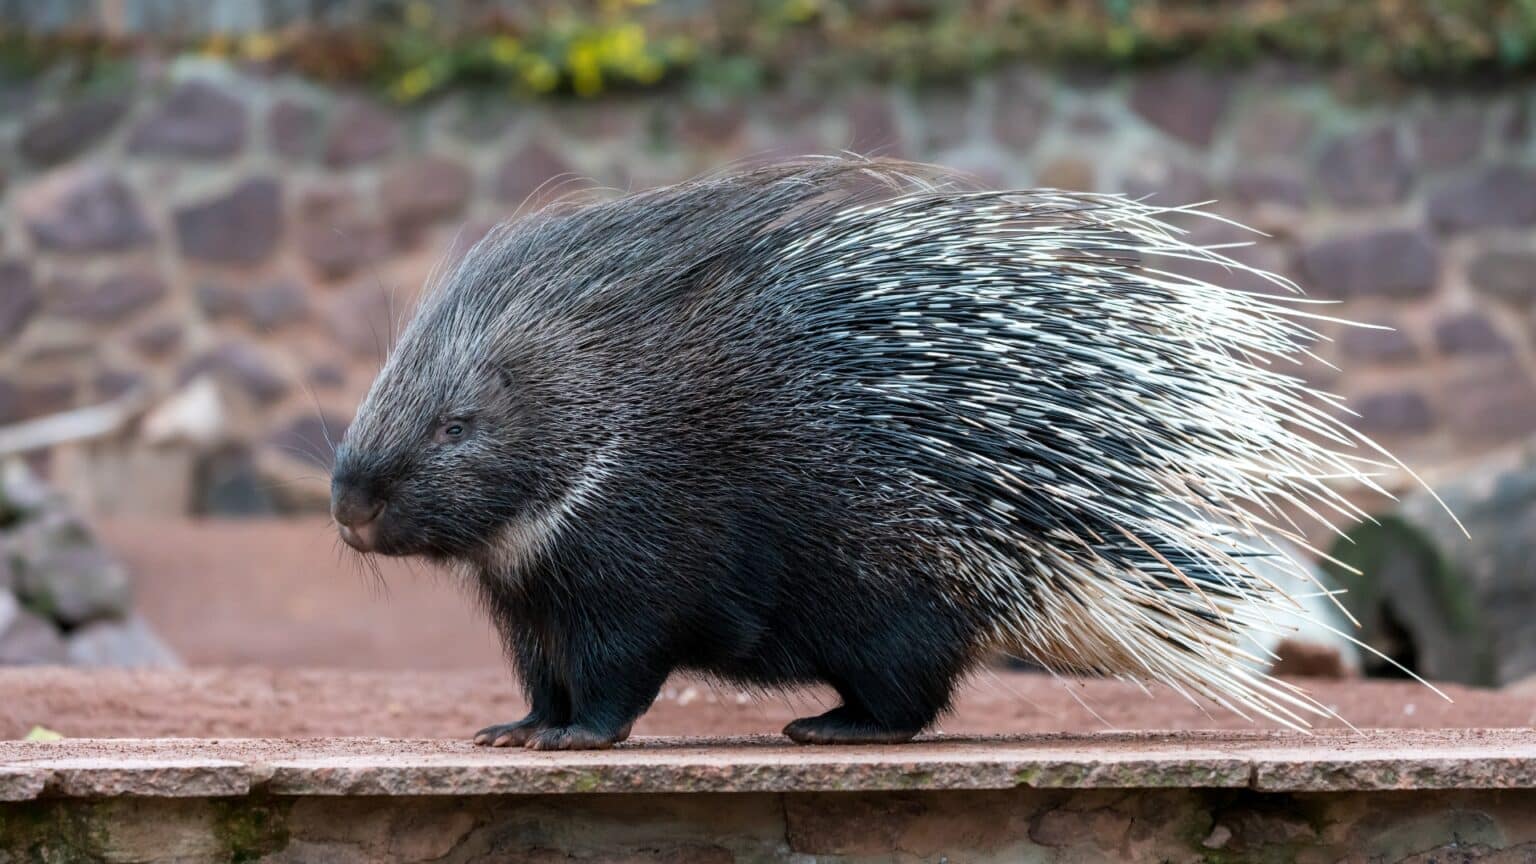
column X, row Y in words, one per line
column 843, row 726
column 514, row 734
column 574, row 737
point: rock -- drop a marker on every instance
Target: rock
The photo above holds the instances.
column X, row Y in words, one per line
column 70, row 129
column 528, row 171
column 362, row 132
column 1491, row 403
column 1497, row 196
column 1272, row 130
column 157, row 339
column 243, row 365
column 311, row 438
column 112, row 383
column 1465, row 333
column 362, row 321
column 1387, row 347
column 127, row 643
column 1067, row 173
column 945, row 117
column 1449, row 136
column 1449, row 607
column 1385, row 262
column 334, row 235
column 198, row 120
column 292, row 129
column 82, row 209
column 228, row 483
column 70, row 579
column 27, row 639
column 1393, row 412
column 872, row 129
column 276, row 303
column 1509, row 276
column 241, row 226
column 40, row 398
column 1186, row 103
column 1162, row 180
column 715, row 124
column 1367, row 168
column 110, row 300
column 1260, row 186
column 1022, row 109
column 327, row 376
column 216, row 298
column 423, row 191
column 18, row 298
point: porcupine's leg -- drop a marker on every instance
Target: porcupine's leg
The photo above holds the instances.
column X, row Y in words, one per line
column 549, row 701
column 604, row 706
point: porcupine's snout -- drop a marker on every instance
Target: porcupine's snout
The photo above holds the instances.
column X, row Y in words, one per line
column 357, row 511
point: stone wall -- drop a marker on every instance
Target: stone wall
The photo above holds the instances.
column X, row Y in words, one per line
column 202, row 219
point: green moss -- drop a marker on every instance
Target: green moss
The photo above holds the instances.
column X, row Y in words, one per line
column 45, row 832
column 586, row 48
column 251, row 828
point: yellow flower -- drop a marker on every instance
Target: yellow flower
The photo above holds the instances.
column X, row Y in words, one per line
column 505, row 50
column 538, row 74
column 413, row 84
column 586, row 68
column 259, row 46
column 419, row 15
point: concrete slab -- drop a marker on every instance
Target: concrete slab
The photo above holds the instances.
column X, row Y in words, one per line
column 1265, row 761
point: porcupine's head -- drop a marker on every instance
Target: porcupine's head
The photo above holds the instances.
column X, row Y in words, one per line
column 470, row 425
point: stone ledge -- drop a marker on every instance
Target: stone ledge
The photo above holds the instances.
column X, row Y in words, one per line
column 1263, row 761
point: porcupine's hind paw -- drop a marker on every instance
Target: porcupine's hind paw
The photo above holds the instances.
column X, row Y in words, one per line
column 514, row 734
column 843, row 725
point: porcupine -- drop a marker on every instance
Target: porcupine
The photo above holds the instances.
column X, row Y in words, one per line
column 840, row 421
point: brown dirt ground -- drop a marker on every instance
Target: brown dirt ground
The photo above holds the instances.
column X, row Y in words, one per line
column 289, row 638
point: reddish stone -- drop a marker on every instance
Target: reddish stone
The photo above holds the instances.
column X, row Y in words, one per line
column 1273, row 130
column 872, row 129
column 1508, row 276
column 423, row 191
column 1495, row 402
column 362, row 320
column 944, row 117
column 361, row 133
column 82, row 209
column 198, row 120
column 111, row 299
column 1269, row 186
column 326, row 375
column 1393, row 412
column 18, row 298
column 158, row 339
column 1387, row 262
column 1186, row 103
column 1367, row 168
column 1067, row 173
column 1498, row 196
column 1466, row 333
column 1449, row 136
column 1377, row 346
column 245, row 366
column 113, row 383
column 276, row 303
column 713, row 125
column 292, row 128
column 241, row 226
column 528, row 171
column 1162, row 180
column 70, row 129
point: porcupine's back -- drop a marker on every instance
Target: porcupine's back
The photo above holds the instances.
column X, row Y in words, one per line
column 1007, row 393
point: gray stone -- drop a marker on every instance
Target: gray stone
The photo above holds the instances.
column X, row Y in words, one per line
column 82, row 209
column 1496, row 196
column 1466, row 333
column 423, row 191
column 10, row 404
column 944, row 113
column 18, row 298
column 1367, row 168
column 1505, row 275
column 327, row 376
column 276, row 303
column 126, row 643
column 112, row 383
column 1162, row 180
column 216, row 298
column 28, row 639
column 1186, row 103
column 1377, row 346
column 1449, row 136
column 229, row 483
column 241, row 226
column 1273, row 130
column 70, row 129
column 112, row 299
column 713, row 124
column 242, row 364
column 292, row 129
column 1394, row 412
column 528, row 171
column 362, row 321
column 198, row 120
column 37, row 398
column 70, row 580
column 362, row 132
column 1022, row 110
column 1386, row 262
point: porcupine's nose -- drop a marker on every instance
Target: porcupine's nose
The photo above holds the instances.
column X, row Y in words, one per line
column 357, row 517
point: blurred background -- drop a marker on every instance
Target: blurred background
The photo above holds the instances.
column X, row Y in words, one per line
column 216, row 213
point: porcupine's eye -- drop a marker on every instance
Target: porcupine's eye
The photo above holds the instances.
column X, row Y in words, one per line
column 451, row 432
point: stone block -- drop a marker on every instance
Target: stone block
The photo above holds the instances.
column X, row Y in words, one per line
column 362, row 132
column 1370, row 345
column 1449, row 136
column 1468, row 333
column 335, row 236
column 113, row 299
column 243, row 365
column 1367, row 168
column 1509, row 276
column 531, row 170
column 1397, row 263
column 19, row 300
column 1022, row 109
column 240, row 227
column 872, row 128
column 199, row 120
column 292, row 129
column 82, row 209
column 70, row 129
column 1186, row 103
column 1393, row 413
column 276, row 303
column 422, row 191
column 1501, row 195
